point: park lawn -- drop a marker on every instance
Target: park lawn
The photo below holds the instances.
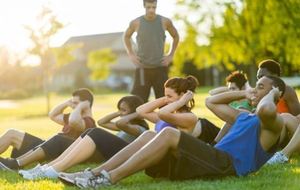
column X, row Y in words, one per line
column 30, row 115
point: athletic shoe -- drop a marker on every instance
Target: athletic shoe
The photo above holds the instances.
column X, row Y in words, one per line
column 278, row 158
column 69, row 178
column 41, row 173
column 102, row 180
column 36, row 168
column 37, row 174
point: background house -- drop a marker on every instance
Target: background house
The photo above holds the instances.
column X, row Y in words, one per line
column 76, row 73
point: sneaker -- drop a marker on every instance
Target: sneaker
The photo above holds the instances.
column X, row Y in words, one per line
column 94, row 182
column 69, row 178
column 36, row 168
column 278, row 158
column 38, row 174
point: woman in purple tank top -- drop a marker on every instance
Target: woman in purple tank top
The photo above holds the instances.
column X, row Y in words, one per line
column 172, row 110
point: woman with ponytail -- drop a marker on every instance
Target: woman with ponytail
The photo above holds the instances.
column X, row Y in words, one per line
column 171, row 111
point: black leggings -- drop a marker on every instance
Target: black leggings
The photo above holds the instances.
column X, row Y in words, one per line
column 106, row 143
column 28, row 143
column 56, row 145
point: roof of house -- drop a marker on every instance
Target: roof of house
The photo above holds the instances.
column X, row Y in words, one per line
column 99, row 41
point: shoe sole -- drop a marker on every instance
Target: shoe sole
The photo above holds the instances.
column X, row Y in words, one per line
column 66, row 181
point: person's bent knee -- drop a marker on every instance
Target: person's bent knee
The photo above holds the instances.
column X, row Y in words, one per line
column 146, row 136
column 13, row 133
column 169, row 134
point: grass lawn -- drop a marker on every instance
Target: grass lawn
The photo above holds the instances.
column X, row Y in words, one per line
column 30, row 115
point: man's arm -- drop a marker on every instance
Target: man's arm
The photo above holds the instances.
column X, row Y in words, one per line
column 127, row 41
column 292, row 100
column 76, row 120
column 222, row 132
column 218, row 104
column 57, row 115
column 174, row 34
column 267, row 112
column 218, row 90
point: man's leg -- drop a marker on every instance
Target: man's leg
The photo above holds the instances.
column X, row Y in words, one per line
column 50, row 149
column 148, row 155
column 13, row 138
column 124, row 154
column 141, row 86
column 158, row 78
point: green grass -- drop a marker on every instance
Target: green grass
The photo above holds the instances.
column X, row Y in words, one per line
column 29, row 115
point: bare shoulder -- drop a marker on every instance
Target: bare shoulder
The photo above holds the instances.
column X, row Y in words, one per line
column 134, row 24
column 289, row 90
column 166, row 21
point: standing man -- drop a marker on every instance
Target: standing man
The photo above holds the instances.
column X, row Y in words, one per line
column 149, row 59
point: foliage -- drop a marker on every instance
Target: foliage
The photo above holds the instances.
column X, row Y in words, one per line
column 47, row 26
column 99, row 62
column 250, row 31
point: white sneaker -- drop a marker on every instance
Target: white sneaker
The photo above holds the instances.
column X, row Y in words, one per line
column 41, row 173
column 278, row 158
column 37, row 174
column 70, row 177
column 37, row 167
column 102, row 180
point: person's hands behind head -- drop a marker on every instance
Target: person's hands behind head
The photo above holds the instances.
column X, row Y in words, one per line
column 250, row 92
column 84, row 105
column 276, row 93
column 71, row 103
column 185, row 98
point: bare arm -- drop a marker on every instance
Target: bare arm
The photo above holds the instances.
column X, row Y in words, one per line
column 76, row 116
column 57, row 115
column 107, row 123
column 127, row 41
column 124, row 124
column 222, row 132
column 185, row 121
column 218, row 104
column 174, row 34
column 147, row 110
column 292, row 100
column 267, row 112
column 218, row 90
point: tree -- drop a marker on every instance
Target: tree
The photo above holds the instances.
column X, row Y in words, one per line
column 250, row 31
column 47, row 26
column 99, row 62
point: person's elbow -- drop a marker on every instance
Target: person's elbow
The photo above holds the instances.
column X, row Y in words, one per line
column 140, row 112
column 208, row 103
column 267, row 111
column 164, row 115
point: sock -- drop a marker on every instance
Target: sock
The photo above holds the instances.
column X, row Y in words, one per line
column 18, row 162
column 51, row 172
